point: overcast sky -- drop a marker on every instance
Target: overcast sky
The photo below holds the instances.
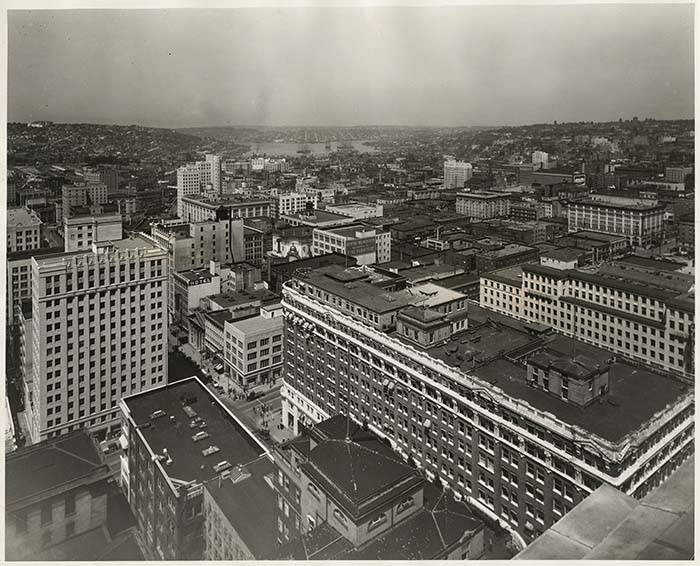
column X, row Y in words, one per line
column 452, row 66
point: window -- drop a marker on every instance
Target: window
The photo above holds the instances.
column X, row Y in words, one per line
column 70, row 504
column 374, row 523
column 340, row 517
column 46, row 513
column 405, row 504
column 70, row 529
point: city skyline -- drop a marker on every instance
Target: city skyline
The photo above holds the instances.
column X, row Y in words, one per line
column 469, row 66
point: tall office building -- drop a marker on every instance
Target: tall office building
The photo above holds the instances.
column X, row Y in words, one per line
column 73, row 196
column 99, row 331
column 214, row 165
column 540, row 159
column 494, row 410
column 457, row 173
column 188, row 183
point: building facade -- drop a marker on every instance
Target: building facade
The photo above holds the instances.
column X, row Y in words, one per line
column 482, row 204
column 632, row 312
column 79, row 232
column 517, row 456
column 291, row 203
column 640, row 223
column 23, row 230
column 200, row 209
column 456, row 173
column 99, row 331
column 367, row 245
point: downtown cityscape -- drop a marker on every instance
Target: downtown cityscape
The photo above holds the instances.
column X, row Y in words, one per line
column 233, row 336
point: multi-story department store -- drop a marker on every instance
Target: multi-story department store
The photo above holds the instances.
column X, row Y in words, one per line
column 498, row 410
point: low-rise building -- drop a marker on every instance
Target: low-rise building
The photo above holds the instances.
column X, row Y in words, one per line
column 505, row 256
column 357, row 210
column 56, row 492
column 253, row 350
column 317, row 219
column 343, row 486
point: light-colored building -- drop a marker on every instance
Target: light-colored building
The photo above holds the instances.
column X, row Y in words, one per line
column 357, row 210
column 640, row 223
column 483, row 204
column 456, row 172
column 540, row 160
column 23, row 230
column 677, row 174
column 193, row 245
column 522, row 442
column 99, row 331
column 630, row 310
column 367, row 245
column 213, row 164
column 89, row 194
column 188, row 184
column 198, row 209
column 19, row 277
column 79, row 232
column 253, row 349
column 291, row 203
column 317, row 219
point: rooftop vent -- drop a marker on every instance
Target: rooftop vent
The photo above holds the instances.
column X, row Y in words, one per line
column 156, row 414
column 221, row 466
column 189, row 411
column 201, row 435
column 209, row 451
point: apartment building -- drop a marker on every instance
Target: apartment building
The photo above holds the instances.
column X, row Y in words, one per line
column 23, row 230
column 640, row 313
column 339, row 483
column 200, row 209
column 640, row 223
column 291, row 203
column 80, row 231
column 456, row 173
column 482, row 204
column 253, row 350
column 98, row 330
column 367, row 245
column 177, row 438
column 474, row 408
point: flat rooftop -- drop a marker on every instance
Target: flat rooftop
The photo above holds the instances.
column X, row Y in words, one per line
column 28, row 254
column 227, row 300
column 508, row 250
column 20, row 217
column 174, row 431
column 201, row 274
column 352, row 230
column 563, row 254
column 610, row 525
column 510, row 275
column 650, row 263
column 642, row 205
column 636, row 395
column 133, row 241
column 482, row 195
column 251, row 496
column 258, row 324
column 319, row 217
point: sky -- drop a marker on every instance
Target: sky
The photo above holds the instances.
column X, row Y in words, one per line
column 431, row 66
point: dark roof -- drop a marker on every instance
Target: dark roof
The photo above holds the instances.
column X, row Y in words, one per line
column 27, row 254
column 51, row 467
column 564, row 254
column 355, row 467
column 427, row 534
column 636, row 395
column 236, row 444
column 458, row 282
column 651, row 263
column 250, row 497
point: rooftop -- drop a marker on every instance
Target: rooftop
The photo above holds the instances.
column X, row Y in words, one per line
column 636, row 395
column 52, row 467
column 248, row 494
column 182, row 404
column 133, row 241
column 610, row 525
column 318, row 217
column 257, row 324
column 508, row 250
column 232, row 299
column 510, row 275
column 651, row 263
column 483, row 195
column 18, row 217
column 563, row 254
column 641, row 205
column 352, row 231
column 201, row 274
column 28, row 254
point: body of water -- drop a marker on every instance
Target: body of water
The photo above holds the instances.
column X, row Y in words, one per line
column 290, row 149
